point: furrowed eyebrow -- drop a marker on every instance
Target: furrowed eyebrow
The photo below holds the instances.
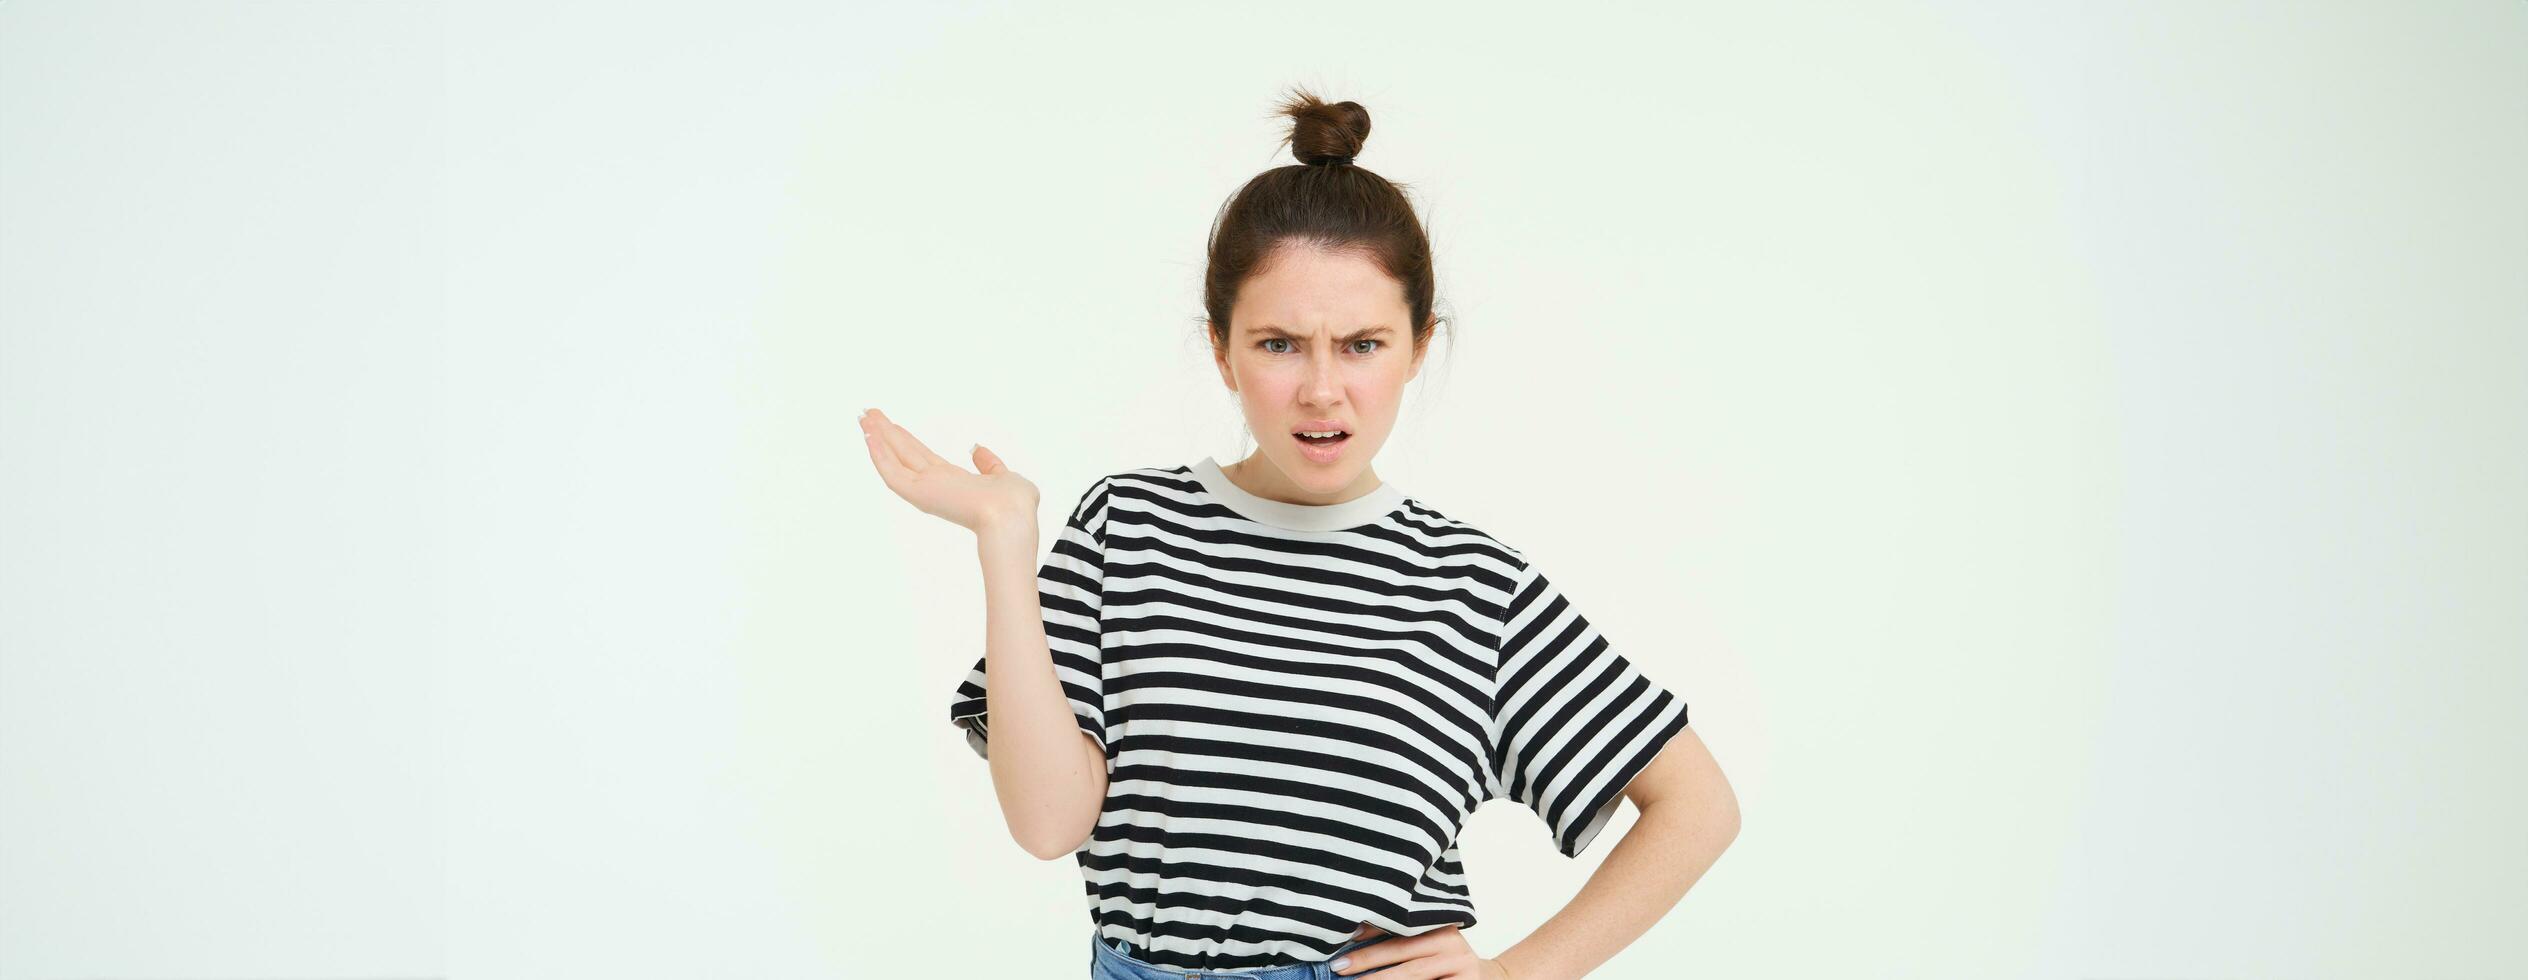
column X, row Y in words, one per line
column 1270, row 331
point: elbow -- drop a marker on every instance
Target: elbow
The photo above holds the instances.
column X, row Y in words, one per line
column 1048, row 836
column 1050, row 848
column 1724, row 815
column 1049, row 841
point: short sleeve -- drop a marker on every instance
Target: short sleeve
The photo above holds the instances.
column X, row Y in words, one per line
column 1573, row 720
column 1067, row 586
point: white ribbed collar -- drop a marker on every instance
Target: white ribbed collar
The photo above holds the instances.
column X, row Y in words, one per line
column 1355, row 512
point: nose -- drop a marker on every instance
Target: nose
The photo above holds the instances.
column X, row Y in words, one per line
column 1323, row 385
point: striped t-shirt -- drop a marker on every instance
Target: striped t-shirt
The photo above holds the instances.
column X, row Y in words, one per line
column 1301, row 704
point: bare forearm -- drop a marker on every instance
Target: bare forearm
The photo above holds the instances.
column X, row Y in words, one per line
column 1664, row 854
column 1048, row 795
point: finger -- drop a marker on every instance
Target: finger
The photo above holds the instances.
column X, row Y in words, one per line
column 1384, row 953
column 910, row 451
column 1421, row 968
column 1390, row 965
column 882, row 455
column 890, row 469
column 986, row 461
column 872, row 432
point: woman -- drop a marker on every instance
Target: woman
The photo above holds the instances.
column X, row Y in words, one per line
column 1292, row 682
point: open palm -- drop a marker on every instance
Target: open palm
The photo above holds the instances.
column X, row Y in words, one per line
column 975, row 499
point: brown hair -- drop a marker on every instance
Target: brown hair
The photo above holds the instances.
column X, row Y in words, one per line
column 1323, row 201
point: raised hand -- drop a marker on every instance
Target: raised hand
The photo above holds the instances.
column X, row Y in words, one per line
column 989, row 496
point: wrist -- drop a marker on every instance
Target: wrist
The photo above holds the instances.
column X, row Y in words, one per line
column 1005, row 533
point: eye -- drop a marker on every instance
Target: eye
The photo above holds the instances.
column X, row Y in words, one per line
column 1275, row 340
column 1367, row 340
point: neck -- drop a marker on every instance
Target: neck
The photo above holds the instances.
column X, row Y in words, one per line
column 1257, row 475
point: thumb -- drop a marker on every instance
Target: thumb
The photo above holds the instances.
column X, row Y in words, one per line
column 986, row 461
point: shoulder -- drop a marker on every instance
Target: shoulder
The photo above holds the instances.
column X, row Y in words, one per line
column 1514, row 581
column 1178, row 476
column 1477, row 551
column 1140, row 483
column 1136, row 488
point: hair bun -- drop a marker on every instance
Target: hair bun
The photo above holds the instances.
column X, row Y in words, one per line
column 1324, row 133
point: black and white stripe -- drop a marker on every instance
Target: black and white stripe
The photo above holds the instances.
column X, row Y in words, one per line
column 1300, row 711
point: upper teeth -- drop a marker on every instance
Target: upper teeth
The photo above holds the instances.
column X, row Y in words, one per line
column 1320, row 435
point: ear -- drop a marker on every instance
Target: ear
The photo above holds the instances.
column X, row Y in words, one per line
column 1421, row 350
column 1220, row 359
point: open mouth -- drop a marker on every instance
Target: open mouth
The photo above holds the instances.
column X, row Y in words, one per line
column 1321, row 438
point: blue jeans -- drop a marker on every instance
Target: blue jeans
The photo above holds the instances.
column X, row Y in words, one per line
column 1111, row 963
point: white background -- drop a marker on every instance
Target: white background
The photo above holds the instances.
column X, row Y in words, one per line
column 2070, row 458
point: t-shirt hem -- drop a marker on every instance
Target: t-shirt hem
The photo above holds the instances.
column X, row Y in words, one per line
column 1602, row 810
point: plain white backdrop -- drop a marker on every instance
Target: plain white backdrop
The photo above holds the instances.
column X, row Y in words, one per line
column 2070, row 458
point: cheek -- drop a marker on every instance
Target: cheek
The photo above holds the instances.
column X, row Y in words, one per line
column 1380, row 386
column 1266, row 385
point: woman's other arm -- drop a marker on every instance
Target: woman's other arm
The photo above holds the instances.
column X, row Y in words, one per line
column 1049, row 774
column 1689, row 816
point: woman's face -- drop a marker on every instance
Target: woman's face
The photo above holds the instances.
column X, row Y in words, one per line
column 1318, row 340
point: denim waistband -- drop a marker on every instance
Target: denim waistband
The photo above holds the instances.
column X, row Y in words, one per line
column 1120, row 962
